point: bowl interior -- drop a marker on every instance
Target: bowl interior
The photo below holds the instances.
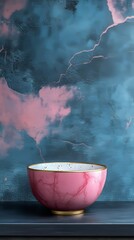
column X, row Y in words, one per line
column 67, row 167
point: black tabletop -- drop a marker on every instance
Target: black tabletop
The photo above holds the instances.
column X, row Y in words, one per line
column 100, row 219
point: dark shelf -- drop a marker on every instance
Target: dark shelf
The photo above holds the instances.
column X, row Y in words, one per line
column 100, row 219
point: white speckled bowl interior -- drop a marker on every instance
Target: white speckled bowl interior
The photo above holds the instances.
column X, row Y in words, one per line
column 67, row 167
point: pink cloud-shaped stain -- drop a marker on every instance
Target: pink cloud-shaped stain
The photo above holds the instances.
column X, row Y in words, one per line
column 32, row 113
column 7, row 8
column 10, row 6
column 116, row 14
column 133, row 4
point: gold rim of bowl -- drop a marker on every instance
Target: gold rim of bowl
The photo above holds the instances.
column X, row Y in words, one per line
column 69, row 171
column 67, row 213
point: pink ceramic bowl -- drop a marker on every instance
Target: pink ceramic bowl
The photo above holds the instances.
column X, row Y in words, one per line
column 67, row 187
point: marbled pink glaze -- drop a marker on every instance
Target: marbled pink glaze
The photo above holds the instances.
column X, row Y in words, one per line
column 67, row 190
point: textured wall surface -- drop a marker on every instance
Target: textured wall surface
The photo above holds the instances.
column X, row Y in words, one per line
column 66, row 90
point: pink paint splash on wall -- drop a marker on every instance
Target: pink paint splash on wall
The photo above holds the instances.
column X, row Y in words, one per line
column 116, row 14
column 120, row 13
column 32, row 113
column 8, row 7
column 133, row 4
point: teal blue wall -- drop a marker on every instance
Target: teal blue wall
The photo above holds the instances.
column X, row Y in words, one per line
column 67, row 90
